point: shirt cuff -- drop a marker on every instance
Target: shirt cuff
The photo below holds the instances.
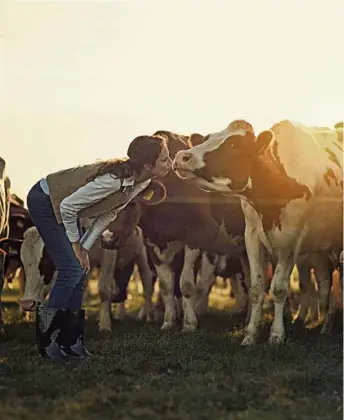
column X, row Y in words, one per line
column 73, row 236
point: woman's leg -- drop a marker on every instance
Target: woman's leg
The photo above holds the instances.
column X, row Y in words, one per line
column 68, row 288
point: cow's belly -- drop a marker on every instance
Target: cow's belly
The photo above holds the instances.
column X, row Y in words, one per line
column 304, row 225
column 325, row 226
column 312, row 226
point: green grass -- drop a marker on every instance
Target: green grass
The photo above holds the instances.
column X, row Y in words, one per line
column 143, row 373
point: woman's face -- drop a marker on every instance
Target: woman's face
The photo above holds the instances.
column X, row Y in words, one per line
column 163, row 164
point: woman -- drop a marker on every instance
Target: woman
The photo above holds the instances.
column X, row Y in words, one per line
column 56, row 203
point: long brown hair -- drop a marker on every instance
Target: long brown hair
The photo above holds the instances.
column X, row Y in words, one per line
column 141, row 151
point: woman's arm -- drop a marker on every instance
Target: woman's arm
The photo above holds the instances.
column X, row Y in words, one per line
column 100, row 223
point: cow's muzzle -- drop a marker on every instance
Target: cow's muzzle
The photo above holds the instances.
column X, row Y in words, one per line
column 28, row 305
column 10, row 246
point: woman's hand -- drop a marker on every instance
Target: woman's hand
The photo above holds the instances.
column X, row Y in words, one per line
column 82, row 255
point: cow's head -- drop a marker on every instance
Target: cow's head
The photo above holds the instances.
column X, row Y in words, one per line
column 39, row 269
column 121, row 229
column 224, row 160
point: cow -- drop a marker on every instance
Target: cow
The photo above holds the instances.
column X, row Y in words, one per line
column 5, row 186
column 184, row 223
column 19, row 222
column 290, row 182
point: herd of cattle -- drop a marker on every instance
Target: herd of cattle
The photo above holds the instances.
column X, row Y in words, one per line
column 235, row 205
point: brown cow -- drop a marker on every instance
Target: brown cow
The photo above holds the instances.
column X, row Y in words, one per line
column 184, row 220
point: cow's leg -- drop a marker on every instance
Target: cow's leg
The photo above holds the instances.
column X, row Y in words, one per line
column 239, row 293
column 203, row 284
column 246, row 285
column 146, row 276
column 167, row 277
column 255, row 252
column 324, row 276
column 166, row 285
column 2, row 281
column 105, row 287
column 279, row 291
column 323, row 271
column 187, row 287
column 122, row 278
column 21, row 280
column 306, row 291
column 334, row 318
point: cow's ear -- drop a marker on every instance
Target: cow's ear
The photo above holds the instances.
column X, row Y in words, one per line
column 195, row 139
column 263, row 140
column 339, row 124
column 154, row 194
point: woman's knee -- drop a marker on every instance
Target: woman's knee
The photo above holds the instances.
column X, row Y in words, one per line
column 70, row 272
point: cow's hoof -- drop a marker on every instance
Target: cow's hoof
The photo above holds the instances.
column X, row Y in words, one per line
column 105, row 328
column 189, row 327
column 145, row 315
column 167, row 326
column 249, row 340
column 141, row 316
column 276, row 340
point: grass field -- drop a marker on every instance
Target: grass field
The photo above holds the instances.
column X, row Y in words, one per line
column 141, row 372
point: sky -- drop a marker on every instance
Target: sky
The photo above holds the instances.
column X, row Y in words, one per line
column 79, row 80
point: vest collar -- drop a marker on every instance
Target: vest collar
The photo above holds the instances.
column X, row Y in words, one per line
column 128, row 182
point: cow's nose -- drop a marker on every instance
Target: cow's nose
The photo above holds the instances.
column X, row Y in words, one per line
column 185, row 157
column 182, row 158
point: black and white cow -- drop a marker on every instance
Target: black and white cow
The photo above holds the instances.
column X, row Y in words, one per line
column 290, row 180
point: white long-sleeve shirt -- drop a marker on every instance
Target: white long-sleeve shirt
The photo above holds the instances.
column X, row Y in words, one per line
column 91, row 193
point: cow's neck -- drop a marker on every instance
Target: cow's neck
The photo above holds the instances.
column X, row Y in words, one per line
column 272, row 189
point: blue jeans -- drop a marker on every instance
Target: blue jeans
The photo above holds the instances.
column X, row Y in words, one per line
column 67, row 292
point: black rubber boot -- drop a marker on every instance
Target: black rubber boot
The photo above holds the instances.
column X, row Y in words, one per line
column 67, row 337
column 71, row 338
column 79, row 347
column 48, row 326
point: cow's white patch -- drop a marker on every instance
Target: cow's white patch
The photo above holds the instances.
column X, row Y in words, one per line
column 187, row 286
column 166, row 286
column 301, row 151
column 204, row 282
column 107, row 235
column 167, row 254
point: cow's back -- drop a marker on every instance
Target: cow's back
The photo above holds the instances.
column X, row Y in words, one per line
column 310, row 155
